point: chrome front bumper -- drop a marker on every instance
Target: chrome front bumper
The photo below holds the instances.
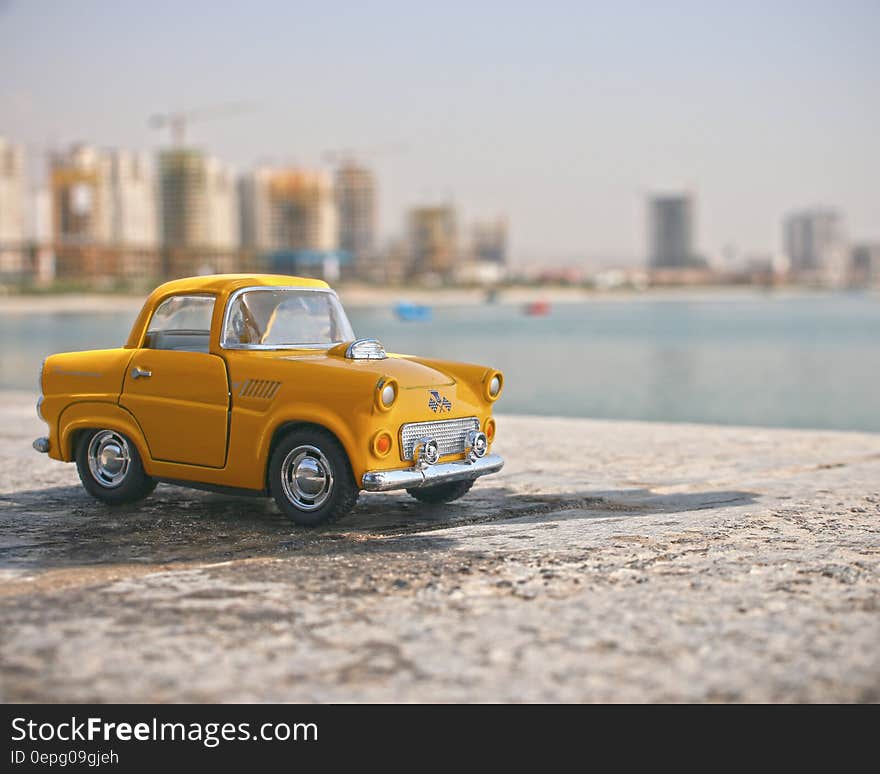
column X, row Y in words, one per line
column 441, row 473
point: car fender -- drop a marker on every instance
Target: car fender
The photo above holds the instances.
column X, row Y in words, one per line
column 315, row 414
column 97, row 415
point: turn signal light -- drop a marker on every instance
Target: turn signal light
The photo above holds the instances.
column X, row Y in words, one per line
column 382, row 443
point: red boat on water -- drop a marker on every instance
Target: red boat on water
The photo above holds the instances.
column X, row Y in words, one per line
column 537, row 308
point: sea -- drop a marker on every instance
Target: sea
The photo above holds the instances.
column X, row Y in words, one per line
column 802, row 360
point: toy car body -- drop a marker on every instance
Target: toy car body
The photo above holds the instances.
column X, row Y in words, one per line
column 256, row 383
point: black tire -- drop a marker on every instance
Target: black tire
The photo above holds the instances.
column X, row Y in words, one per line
column 324, row 489
column 129, row 485
column 441, row 493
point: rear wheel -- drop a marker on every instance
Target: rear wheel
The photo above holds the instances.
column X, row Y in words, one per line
column 110, row 467
column 310, row 477
column 442, row 493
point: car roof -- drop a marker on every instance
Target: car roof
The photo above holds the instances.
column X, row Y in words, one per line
column 220, row 283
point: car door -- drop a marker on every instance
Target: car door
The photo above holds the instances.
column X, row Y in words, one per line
column 179, row 394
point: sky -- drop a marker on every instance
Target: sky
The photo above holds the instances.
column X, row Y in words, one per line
column 563, row 116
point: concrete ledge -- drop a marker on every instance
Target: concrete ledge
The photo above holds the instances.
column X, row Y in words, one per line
column 638, row 562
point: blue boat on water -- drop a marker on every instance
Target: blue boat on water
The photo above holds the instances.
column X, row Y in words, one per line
column 409, row 312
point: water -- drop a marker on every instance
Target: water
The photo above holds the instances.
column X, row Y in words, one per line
column 786, row 361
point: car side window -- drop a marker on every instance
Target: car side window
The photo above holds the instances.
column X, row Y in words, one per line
column 181, row 323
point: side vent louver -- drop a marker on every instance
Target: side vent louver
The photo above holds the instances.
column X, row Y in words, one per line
column 261, row 389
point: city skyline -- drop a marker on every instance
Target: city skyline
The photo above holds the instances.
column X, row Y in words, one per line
column 113, row 214
column 565, row 120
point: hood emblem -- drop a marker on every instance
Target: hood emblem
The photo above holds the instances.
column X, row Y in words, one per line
column 438, row 403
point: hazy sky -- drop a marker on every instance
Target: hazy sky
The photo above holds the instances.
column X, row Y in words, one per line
column 561, row 115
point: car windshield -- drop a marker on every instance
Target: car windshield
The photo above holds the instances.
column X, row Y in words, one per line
column 285, row 317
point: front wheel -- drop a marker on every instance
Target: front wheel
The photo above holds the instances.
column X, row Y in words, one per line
column 310, row 477
column 441, row 493
column 110, row 467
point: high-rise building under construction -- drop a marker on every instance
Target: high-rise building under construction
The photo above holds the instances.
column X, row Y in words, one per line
column 356, row 202
column 288, row 209
column 199, row 203
column 289, row 218
column 103, row 213
column 433, row 241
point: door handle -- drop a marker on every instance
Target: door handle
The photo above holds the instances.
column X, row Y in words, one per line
column 137, row 373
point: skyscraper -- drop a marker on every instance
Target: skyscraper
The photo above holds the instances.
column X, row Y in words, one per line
column 81, row 200
column 816, row 246
column 433, row 241
column 104, row 197
column 104, row 213
column 288, row 209
column 12, row 216
column 199, row 201
column 134, row 217
column 671, row 232
column 865, row 265
column 356, row 203
column 289, row 217
column 489, row 243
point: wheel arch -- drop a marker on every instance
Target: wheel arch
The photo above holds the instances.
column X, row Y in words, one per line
column 81, row 417
column 288, row 426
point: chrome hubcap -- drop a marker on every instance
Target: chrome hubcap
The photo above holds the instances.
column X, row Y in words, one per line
column 306, row 478
column 109, row 458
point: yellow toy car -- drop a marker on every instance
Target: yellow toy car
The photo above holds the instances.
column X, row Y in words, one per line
column 256, row 383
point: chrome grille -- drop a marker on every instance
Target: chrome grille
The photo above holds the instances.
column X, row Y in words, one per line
column 450, row 434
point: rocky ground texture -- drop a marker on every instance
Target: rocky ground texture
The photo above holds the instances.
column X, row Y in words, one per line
column 609, row 561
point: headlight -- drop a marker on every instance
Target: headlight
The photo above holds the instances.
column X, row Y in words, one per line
column 492, row 386
column 386, row 394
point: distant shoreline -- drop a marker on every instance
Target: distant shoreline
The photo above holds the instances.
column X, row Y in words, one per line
column 363, row 296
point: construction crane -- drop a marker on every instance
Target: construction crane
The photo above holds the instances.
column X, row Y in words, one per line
column 179, row 120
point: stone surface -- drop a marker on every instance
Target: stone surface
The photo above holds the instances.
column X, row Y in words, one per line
column 609, row 561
